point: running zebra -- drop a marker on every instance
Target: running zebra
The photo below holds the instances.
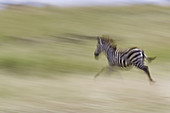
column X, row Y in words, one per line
column 122, row 58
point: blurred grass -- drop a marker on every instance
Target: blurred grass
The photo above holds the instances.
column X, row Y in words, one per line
column 32, row 39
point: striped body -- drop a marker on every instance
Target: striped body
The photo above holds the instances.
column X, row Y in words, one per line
column 129, row 57
column 123, row 58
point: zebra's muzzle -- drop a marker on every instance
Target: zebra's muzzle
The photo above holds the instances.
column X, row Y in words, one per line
column 96, row 55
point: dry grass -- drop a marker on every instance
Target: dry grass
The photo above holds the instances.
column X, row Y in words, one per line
column 123, row 92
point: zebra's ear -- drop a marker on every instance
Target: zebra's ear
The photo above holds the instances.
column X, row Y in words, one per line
column 99, row 40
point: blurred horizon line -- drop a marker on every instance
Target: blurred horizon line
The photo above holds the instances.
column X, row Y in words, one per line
column 75, row 3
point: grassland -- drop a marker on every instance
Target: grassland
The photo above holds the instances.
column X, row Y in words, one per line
column 45, row 69
column 31, row 38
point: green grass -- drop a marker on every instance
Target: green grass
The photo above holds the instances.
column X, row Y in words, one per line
column 29, row 44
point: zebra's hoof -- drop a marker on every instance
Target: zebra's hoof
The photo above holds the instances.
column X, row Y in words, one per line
column 152, row 81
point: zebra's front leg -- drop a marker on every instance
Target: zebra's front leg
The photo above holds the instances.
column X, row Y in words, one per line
column 100, row 72
column 104, row 68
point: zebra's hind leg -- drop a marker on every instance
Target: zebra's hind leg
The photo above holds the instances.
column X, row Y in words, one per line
column 146, row 70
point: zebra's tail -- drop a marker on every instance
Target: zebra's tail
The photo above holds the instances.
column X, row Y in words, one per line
column 150, row 59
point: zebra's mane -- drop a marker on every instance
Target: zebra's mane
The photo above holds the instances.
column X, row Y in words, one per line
column 108, row 40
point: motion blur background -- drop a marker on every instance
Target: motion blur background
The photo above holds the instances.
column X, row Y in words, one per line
column 47, row 60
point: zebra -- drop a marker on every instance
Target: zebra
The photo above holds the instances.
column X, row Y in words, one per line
column 122, row 58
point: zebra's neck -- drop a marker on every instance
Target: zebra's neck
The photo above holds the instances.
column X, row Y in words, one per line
column 110, row 53
column 109, row 49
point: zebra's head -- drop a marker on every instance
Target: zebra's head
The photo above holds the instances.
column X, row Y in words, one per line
column 99, row 47
column 103, row 43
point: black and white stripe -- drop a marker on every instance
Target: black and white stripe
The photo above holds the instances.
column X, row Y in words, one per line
column 123, row 58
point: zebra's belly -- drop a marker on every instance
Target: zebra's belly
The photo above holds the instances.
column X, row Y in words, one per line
column 124, row 64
